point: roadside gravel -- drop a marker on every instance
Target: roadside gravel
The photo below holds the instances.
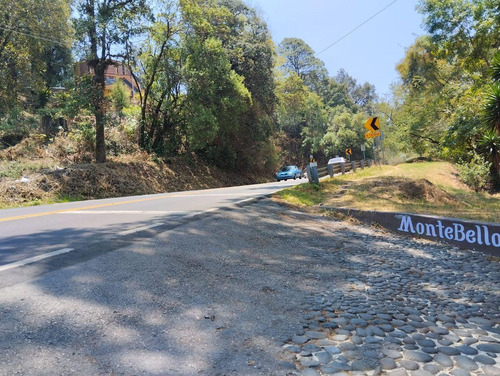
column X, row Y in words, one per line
column 261, row 290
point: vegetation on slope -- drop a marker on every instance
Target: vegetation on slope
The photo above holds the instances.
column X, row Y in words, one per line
column 424, row 187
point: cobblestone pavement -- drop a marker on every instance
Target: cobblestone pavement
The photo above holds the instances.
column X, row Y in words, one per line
column 258, row 291
column 429, row 310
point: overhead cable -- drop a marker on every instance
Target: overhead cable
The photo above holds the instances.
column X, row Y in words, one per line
column 356, row 28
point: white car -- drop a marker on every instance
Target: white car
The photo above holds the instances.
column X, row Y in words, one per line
column 336, row 160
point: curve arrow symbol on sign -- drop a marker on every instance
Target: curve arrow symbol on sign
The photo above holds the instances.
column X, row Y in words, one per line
column 374, row 124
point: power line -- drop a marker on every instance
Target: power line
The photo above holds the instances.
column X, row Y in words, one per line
column 356, row 28
column 32, row 35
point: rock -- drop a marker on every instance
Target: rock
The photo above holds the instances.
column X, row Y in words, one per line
column 309, row 362
column 484, row 359
column 448, row 350
column 336, row 367
column 315, row 335
column 410, row 365
column 460, row 372
column 433, row 368
column 445, row 318
column 292, row 348
column 429, row 350
column 325, row 342
column 467, row 350
column 323, row 356
column 361, row 365
column 311, row 347
column 466, row 363
column 418, row 356
column 309, row 372
column 393, row 354
column 388, row 363
column 489, row 347
column 426, row 343
column 300, row 339
column 444, row 360
column 333, row 350
column 481, row 321
column 421, row 372
column 398, row 372
column 491, row 370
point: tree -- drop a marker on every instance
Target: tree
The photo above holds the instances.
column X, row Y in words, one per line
column 301, row 118
column 120, row 97
column 468, row 29
column 300, row 59
column 364, row 96
column 336, row 94
column 104, row 28
column 251, row 52
column 491, row 114
column 345, row 130
column 158, row 65
column 216, row 95
column 491, row 110
column 35, row 41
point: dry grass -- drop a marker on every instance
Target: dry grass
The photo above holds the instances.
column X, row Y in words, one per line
column 425, row 188
column 55, row 173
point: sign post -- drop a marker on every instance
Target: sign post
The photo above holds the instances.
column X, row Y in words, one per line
column 363, row 148
column 348, row 153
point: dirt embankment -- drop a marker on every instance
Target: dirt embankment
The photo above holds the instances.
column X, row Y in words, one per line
column 405, row 189
column 36, row 177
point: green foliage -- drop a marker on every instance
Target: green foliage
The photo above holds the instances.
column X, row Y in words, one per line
column 39, row 62
column 345, row 130
column 476, row 173
column 120, row 97
column 105, row 28
column 443, row 75
column 216, row 94
column 299, row 59
column 491, row 107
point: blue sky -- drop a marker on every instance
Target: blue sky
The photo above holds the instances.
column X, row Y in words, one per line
column 370, row 53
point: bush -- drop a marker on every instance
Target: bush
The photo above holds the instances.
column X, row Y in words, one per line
column 476, row 173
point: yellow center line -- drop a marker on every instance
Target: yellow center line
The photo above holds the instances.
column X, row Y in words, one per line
column 85, row 208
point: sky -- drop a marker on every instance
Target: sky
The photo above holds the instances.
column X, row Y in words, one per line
column 369, row 54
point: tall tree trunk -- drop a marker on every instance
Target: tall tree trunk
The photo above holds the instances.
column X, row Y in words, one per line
column 99, row 66
column 100, row 113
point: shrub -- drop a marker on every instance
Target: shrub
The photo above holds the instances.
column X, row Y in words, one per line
column 476, row 173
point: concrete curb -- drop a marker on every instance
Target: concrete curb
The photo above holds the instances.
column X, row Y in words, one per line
column 465, row 234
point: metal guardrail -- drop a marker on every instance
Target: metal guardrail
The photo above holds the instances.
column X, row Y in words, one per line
column 342, row 167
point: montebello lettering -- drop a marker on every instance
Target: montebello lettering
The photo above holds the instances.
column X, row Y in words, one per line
column 480, row 234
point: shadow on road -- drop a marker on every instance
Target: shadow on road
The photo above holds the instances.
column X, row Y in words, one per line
column 217, row 296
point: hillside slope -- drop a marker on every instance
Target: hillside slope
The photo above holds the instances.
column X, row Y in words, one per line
column 32, row 174
column 424, row 187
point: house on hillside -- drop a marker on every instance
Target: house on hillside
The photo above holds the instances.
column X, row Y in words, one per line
column 114, row 72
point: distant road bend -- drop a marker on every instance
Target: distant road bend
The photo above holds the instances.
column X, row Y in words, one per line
column 84, row 229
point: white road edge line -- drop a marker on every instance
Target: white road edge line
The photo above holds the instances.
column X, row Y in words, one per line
column 131, row 231
column 34, row 259
column 126, row 232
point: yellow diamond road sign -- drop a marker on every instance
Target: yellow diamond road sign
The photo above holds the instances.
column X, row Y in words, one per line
column 372, row 134
column 373, row 125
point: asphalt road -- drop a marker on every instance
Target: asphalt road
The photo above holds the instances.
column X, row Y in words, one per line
column 32, row 234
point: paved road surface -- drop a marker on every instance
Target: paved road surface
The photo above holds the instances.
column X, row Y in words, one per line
column 32, row 233
column 260, row 290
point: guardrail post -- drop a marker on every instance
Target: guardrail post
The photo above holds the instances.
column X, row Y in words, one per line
column 312, row 173
column 342, row 167
column 353, row 164
column 330, row 170
column 362, row 164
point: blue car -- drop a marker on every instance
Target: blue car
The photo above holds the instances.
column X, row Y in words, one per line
column 289, row 172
